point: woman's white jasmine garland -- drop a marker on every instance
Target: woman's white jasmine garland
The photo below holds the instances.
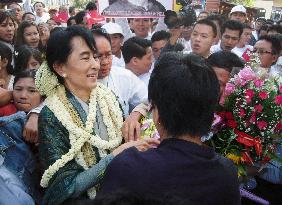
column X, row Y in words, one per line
column 100, row 97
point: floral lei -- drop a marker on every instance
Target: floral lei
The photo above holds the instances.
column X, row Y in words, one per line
column 79, row 135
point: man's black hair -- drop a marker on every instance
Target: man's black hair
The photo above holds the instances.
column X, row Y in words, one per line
column 160, row 35
column 208, row 23
column 185, row 91
column 232, row 25
column 134, row 47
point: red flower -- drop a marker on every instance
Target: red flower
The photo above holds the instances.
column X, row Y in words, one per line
column 231, row 123
column 229, row 115
column 242, row 112
column 278, row 100
column 263, row 95
column 261, row 124
column 253, row 117
column 249, row 93
column 258, row 108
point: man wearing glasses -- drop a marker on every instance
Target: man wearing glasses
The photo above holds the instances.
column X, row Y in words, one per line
column 268, row 48
column 231, row 32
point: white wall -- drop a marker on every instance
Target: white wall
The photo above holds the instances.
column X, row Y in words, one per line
column 267, row 5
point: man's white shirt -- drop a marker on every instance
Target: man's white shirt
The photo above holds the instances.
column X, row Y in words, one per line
column 128, row 88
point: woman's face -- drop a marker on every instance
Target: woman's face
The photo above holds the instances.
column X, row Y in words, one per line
column 31, row 36
column 33, row 63
column 7, row 30
column 80, row 72
column 25, row 95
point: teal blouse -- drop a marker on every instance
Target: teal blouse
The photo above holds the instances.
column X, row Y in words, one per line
column 71, row 181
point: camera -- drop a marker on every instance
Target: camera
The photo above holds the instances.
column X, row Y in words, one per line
column 186, row 15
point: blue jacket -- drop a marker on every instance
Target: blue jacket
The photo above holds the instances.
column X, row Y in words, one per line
column 17, row 155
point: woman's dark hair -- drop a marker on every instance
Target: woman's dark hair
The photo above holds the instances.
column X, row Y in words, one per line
column 5, row 16
column 24, row 54
column 185, row 90
column 6, row 53
column 30, row 73
column 20, row 34
column 59, row 45
column 225, row 60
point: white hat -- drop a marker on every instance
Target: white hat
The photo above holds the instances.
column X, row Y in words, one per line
column 238, row 8
column 112, row 28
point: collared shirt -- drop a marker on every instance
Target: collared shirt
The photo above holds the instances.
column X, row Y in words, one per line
column 240, row 51
column 129, row 90
column 118, row 62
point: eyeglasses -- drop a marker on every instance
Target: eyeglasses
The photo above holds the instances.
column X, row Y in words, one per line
column 261, row 52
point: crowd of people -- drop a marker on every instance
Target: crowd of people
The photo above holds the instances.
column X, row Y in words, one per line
column 73, row 91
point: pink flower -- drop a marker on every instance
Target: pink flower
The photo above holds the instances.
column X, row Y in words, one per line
column 258, row 83
column 263, row 95
column 258, row 108
column 229, row 89
column 242, row 112
column 278, row 100
column 261, row 124
column 280, row 88
column 247, row 74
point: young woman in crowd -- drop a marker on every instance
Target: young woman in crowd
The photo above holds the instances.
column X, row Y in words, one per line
column 27, row 58
column 28, row 34
column 7, row 29
column 6, row 68
column 18, row 178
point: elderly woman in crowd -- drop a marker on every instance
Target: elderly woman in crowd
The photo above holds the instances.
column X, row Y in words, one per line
column 79, row 128
column 183, row 92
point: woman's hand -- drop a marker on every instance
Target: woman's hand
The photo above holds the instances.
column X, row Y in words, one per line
column 141, row 145
column 6, row 96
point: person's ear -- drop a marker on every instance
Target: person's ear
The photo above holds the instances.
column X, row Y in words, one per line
column 134, row 60
column 60, row 69
column 274, row 58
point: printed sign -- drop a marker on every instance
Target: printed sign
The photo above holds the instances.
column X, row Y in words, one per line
column 135, row 8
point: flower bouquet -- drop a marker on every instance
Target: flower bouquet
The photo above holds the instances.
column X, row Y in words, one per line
column 148, row 128
column 251, row 123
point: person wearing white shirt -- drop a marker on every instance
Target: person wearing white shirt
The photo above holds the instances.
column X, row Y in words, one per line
column 202, row 38
column 231, row 32
column 255, row 34
column 137, row 54
column 129, row 90
column 116, row 35
column 243, row 44
column 41, row 15
column 141, row 27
